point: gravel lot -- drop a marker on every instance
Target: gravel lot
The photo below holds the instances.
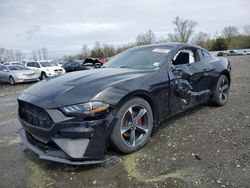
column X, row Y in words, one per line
column 204, row 147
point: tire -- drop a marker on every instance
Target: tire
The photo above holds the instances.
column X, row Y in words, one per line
column 43, row 76
column 129, row 134
column 11, row 80
column 221, row 92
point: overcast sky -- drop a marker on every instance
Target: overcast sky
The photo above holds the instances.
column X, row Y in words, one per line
column 63, row 26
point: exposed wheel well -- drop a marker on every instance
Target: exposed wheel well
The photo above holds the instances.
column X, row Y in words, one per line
column 43, row 73
column 227, row 75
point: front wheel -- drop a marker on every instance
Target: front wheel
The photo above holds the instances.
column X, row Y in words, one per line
column 221, row 92
column 134, row 126
column 43, row 76
column 11, row 80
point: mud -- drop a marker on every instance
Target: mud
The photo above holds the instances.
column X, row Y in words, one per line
column 203, row 147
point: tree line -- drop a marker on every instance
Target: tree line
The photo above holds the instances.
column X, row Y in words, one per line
column 8, row 55
column 11, row 55
column 184, row 31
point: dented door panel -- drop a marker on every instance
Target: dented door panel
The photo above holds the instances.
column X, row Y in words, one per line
column 189, row 86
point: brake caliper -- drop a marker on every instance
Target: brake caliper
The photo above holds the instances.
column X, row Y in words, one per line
column 140, row 121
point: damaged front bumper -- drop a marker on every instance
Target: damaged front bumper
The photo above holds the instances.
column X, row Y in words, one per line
column 53, row 154
column 56, row 137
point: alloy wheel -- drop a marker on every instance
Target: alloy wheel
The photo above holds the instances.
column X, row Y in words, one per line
column 223, row 90
column 12, row 81
column 134, row 126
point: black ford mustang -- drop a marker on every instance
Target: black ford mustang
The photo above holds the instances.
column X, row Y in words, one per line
column 74, row 117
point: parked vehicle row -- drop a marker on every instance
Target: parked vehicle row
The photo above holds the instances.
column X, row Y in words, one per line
column 76, row 65
column 45, row 69
column 233, row 53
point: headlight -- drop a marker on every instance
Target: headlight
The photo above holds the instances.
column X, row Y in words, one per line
column 85, row 109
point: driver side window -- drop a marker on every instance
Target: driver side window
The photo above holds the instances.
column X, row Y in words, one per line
column 186, row 56
column 37, row 65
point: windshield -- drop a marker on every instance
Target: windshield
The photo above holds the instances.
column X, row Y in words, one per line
column 53, row 63
column 14, row 67
column 141, row 58
column 16, row 64
column 45, row 64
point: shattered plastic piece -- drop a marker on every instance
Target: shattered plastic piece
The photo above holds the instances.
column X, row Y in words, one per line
column 197, row 157
column 111, row 161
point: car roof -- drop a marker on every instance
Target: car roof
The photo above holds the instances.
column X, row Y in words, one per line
column 175, row 45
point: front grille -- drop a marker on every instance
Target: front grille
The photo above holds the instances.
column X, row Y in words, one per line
column 58, row 70
column 34, row 115
column 29, row 74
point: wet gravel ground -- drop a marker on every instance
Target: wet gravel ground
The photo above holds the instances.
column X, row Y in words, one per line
column 204, row 147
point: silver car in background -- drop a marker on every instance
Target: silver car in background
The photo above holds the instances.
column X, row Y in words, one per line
column 16, row 74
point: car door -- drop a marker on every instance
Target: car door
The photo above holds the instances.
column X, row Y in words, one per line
column 76, row 66
column 35, row 66
column 190, row 79
column 68, row 67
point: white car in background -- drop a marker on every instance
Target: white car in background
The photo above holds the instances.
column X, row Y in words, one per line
column 246, row 52
column 13, row 63
column 45, row 69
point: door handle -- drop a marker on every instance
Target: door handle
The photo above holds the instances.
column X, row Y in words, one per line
column 205, row 69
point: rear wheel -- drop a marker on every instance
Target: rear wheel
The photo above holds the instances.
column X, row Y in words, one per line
column 11, row 80
column 221, row 91
column 134, row 126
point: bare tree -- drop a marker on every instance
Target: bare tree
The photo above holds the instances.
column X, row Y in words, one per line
column 6, row 55
column 85, row 51
column 230, row 31
column 19, row 55
column 246, row 30
column 184, row 29
column 108, row 50
column 39, row 54
column 34, row 55
column 147, row 38
column 1, row 54
column 11, row 55
column 202, row 39
column 97, row 50
column 44, row 53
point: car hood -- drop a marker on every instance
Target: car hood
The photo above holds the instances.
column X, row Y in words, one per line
column 80, row 86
